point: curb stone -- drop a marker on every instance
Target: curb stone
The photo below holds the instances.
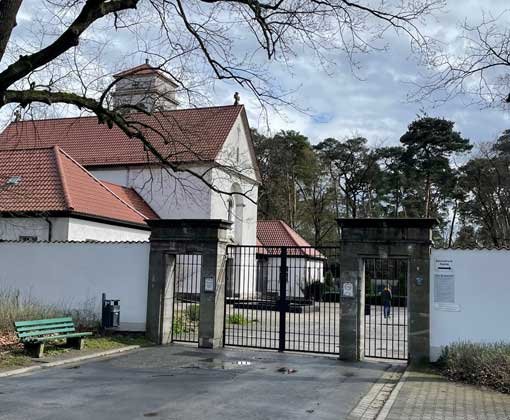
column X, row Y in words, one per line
column 67, row 361
column 374, row 402
column 385, row 410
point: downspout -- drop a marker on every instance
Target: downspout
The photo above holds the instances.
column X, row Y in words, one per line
column 50, row 228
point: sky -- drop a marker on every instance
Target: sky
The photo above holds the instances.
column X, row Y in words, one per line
column 372, row 102
column 375, row 101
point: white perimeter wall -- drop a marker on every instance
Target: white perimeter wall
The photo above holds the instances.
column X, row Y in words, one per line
column 73, row 275
column 481, row 308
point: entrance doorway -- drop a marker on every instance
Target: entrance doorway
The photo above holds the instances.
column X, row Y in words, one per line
column 386, row 312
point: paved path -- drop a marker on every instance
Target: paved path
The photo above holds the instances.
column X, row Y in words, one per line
column 426, row 396
column 181, row 383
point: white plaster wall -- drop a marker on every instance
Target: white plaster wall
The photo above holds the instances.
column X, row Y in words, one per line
column 482, row 295
column 296, row 275
column 73, row 275
column 235, row 155
column 82, row 230
column 11, row 228
column 183, row 196
column 235, row 152
column 172, row 195
column 115, row 175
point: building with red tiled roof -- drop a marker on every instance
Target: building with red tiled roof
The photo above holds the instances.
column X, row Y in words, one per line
column 46, row 195
column 305, row 263
column 207, row 154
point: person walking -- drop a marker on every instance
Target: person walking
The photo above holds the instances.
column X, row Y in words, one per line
column 386, row 300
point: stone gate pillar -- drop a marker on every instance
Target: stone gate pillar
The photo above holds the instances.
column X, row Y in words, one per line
column 168, row 239
column 384, row 238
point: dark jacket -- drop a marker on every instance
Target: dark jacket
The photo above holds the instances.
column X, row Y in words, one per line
column 386, row 297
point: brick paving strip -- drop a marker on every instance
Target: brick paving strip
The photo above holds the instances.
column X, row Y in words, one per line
column 373, row 402
column 429, row 396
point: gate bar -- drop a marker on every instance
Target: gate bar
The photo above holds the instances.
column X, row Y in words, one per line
column 283, row 298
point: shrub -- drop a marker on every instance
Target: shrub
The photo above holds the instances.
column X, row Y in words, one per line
column 15, row 307
column 193, row 313
column 478, row 364
column 313, row 290
column 237, row 319
column 328, row 282
column 179, row 325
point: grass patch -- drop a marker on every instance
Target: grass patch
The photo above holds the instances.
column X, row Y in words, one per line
column 238, row 319
column 16, row 357
column 116, row 341
column 478, row 364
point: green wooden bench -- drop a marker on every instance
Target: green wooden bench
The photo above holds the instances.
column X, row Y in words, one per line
column 33, row 334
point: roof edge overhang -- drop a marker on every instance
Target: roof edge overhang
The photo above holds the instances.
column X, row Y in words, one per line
column 76, row 215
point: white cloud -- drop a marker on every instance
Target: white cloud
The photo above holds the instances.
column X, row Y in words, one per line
column 371, row 103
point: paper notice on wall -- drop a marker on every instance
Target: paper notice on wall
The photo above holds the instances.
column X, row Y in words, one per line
column 444, row 292
column 444, row 288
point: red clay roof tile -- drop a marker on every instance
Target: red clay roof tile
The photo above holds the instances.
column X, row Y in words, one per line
column 181, row 135
column 53, row 182
column 130, row 196
column 277, row 233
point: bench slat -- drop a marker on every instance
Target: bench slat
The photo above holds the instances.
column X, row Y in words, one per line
column 46, row 332
column 42, row 321
column 57, row 337
column 44, row 327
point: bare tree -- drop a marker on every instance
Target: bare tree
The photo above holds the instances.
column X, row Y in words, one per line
column 57, row 62
column 478, row 65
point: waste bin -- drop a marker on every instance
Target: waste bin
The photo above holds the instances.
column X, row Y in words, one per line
column 110, row 313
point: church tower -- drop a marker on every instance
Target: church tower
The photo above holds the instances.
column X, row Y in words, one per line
column 146, row 87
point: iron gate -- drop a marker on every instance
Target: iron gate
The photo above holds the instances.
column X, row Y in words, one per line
column 283, row 298
column 386, row 329
column 186, row 304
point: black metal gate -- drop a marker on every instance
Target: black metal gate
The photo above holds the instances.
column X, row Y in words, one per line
column 186, row 304
column 283, row 298
column 386, row 308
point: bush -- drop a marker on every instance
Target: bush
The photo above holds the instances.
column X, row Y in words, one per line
column 313, row 290
column 237, row 319
column 13, row 308
column 478, row 364
column 193, row 313
column 179, row 325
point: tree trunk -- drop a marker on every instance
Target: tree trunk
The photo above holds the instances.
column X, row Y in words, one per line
column 452, row 225
column 427, row 196
column 8, row 12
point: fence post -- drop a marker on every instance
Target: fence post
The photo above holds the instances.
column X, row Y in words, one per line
column 169, row 238
column 283, row 298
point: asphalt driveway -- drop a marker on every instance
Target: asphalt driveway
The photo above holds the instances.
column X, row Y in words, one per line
column 179, row 382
